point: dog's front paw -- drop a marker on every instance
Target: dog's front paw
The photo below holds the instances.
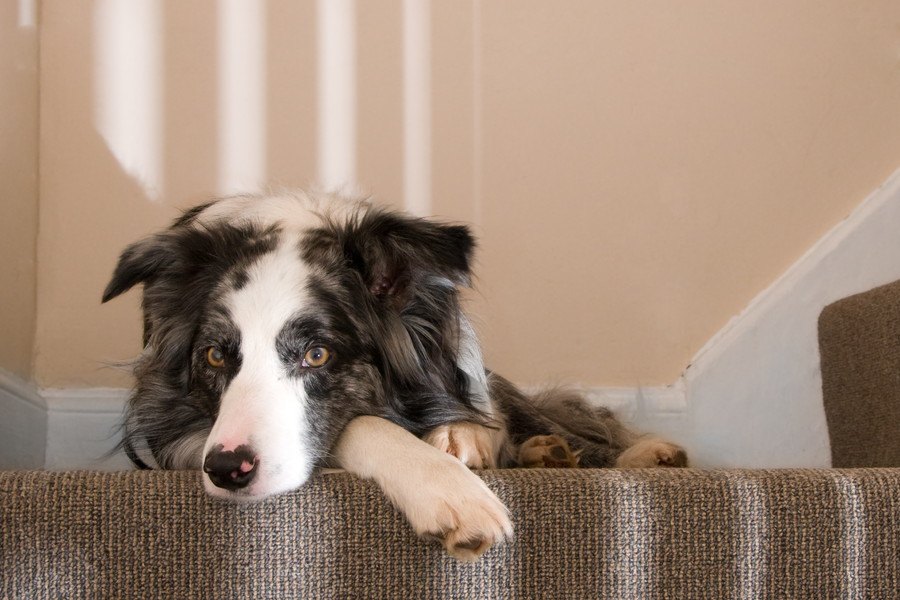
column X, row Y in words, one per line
column 446, row 501
column 469, row 442
column 652, row 452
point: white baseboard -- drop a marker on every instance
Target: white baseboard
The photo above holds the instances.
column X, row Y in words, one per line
column 642, row 402
column 23, row 428
column 82, row 428
column 59, row 429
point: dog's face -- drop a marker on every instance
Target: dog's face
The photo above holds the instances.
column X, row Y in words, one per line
column 271, row 322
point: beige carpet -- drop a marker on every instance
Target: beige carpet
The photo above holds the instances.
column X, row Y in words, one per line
column 579, row 534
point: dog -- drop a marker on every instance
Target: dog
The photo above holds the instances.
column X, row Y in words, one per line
column 289, row 332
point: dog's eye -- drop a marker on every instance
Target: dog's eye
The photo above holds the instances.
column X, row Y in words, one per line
column 215, row 358
column 316, row 357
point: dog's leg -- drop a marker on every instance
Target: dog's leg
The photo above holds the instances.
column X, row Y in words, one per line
column 652, row 452
column 475, row 445
column 438, row 494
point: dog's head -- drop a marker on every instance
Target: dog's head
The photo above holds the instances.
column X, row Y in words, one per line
column 271, row 322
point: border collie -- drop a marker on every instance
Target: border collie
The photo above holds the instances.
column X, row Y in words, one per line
column 289, row 332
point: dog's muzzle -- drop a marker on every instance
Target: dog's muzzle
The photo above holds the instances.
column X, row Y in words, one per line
column 231, row 469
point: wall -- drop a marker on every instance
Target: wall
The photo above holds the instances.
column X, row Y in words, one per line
column 650, row 167
column 637, row 172
column 19, row 193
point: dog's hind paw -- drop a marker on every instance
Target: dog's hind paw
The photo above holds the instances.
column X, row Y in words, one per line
column 652, row 452
column 469, row 442
column 550, row 451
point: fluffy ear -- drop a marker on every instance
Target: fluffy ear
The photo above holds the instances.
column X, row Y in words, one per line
column 190, row 259
column 139, row 263
column 395, row 253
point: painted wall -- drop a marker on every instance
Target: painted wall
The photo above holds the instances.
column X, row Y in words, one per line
column 19, row 193
column 637, row 172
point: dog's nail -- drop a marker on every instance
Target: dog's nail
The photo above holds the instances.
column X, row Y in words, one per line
column 676, row 459
column 474, row 544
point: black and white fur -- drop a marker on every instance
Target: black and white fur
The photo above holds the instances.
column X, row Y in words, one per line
column 260, row 281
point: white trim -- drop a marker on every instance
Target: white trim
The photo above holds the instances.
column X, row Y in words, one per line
column 21, row 391
column 23, row 428
column 642, row 403
column 755, row 389
column 59, row 428
column 82, row 428
column 85, row 400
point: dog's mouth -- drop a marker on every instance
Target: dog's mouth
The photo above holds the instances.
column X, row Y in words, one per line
column 238, row 496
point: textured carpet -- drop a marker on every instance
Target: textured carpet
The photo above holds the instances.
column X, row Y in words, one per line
column 579, row 534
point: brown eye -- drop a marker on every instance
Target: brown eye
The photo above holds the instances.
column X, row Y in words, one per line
column 215, row 358
column 316, row 357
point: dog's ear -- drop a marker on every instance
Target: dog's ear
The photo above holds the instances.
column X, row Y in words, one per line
column 139, row 263
column 396, row 253
column 190, row 258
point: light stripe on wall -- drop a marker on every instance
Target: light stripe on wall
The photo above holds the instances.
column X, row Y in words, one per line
column 128, row 87
column 417, row 106
column 27, row 14
column 336, row 46
column 242, row 96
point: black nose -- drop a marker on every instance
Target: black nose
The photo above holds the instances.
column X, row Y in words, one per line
column 231, row 470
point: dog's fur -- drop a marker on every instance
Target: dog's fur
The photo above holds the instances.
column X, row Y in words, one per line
column 261, row 280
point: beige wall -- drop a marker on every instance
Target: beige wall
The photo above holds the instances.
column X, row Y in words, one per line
column 19, row 193
column 636, row 172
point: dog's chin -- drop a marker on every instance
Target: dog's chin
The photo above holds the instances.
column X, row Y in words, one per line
column 257, row 491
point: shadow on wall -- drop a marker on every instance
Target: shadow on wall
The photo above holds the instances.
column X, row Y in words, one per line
column 157, row 129
column 175, row 124
column 279, row 106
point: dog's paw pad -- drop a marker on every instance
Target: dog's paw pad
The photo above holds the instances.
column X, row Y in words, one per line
column 547, row 451
column 558, row 453
column 649, row 453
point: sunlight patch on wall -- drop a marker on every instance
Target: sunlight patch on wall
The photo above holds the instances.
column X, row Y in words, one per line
column 128, row 87
column 477, row 112
column 417, row 106
column 242, row 96
column 336, row 47
column 27, row 14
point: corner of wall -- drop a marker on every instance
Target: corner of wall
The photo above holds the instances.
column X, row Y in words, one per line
column 754, row 390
